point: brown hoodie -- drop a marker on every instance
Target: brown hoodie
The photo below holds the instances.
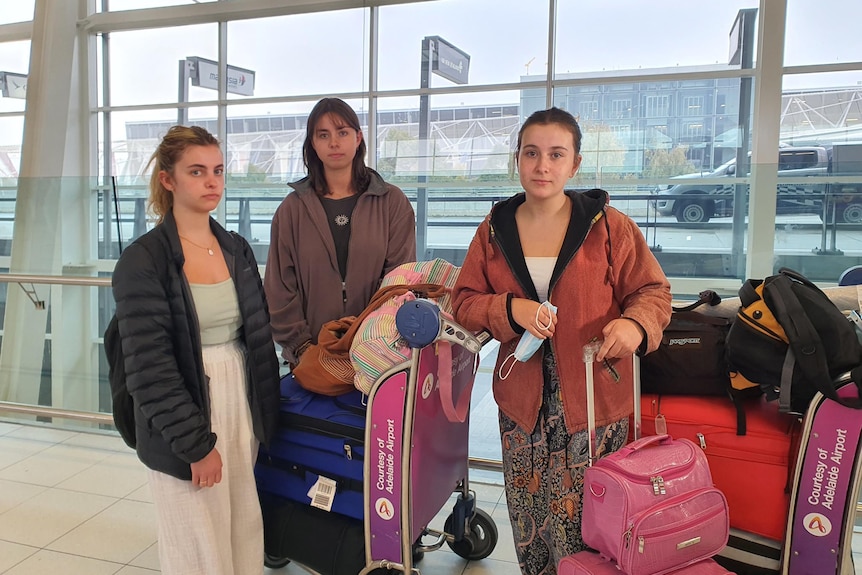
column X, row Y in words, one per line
column 594, row 281
column 302, row 282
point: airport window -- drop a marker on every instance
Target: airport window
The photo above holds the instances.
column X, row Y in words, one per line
column 142, row 74
column 114, row 5
column 288, row 67
column 699, row 37
column 459, row 22
column 17, row 11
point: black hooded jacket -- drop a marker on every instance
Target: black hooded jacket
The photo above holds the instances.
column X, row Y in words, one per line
column 162, row 347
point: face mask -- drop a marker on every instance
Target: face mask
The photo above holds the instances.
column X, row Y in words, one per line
column 527, row 345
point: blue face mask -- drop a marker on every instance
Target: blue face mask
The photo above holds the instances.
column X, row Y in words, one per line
column 527, row 345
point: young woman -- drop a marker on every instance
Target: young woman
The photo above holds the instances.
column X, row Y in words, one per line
column 591, row 262
column 340, row 231
column 200, row 364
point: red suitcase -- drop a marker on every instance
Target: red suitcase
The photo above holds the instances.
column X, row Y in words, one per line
column 754, row 471
column 590, row 563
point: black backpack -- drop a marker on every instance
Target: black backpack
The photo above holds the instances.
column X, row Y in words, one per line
column 123, row 406
column 791, row 339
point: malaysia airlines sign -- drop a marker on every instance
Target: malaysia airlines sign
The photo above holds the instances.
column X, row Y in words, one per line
column 204, row 74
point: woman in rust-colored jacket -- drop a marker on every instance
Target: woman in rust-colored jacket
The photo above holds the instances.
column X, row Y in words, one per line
column 592, row 263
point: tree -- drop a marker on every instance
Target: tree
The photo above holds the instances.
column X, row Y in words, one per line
column 661, row 163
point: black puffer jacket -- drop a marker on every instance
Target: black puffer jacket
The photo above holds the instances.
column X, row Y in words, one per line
column 162, row 347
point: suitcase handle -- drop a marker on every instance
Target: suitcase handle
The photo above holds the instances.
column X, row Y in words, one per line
column 589, row 352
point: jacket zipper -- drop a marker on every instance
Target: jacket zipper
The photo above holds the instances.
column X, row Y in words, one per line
column 344, row 296
column 568, row 261
column 196, row 342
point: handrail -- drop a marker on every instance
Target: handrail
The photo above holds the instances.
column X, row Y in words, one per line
column 41, row 410
column 55, row 280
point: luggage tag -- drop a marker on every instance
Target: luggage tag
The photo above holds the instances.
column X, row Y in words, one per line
column 322, row 493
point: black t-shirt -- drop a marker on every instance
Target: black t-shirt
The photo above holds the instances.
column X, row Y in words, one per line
column 338, row 214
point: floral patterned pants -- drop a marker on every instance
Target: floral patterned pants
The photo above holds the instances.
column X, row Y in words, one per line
column 543, row 470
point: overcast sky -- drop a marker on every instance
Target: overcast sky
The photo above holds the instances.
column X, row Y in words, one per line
column 326, row 52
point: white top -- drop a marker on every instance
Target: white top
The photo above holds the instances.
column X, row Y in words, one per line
column 540, row 271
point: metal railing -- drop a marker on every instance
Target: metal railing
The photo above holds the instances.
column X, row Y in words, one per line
column 41, row 410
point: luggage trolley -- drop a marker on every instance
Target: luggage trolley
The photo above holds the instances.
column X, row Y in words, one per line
column 415, row 455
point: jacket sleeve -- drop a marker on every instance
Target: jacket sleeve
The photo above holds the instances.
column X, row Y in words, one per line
column 401, row 247
column 152, row 373
column 476, row 304
column 283, row 293
column 640, row 284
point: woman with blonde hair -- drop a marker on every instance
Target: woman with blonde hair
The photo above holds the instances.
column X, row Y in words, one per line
column 200, row 364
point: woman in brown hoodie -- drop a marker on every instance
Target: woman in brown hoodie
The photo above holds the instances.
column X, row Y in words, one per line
column 336, row 235
column 592, row 263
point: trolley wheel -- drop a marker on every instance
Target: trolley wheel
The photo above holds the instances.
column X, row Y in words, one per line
column 480, row 541
column 274, row 562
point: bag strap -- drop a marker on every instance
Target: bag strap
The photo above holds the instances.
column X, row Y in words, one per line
column 455, row 411
column 704, row 297
column 806, row 348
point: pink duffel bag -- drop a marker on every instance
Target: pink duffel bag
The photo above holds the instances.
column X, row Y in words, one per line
column 652, row 507
column 590, row 563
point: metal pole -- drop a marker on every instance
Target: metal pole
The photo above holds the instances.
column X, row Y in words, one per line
column 740, row 194
column 424, row 129
column 183, row 94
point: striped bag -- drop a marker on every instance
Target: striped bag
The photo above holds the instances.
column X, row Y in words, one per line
column 377, row 345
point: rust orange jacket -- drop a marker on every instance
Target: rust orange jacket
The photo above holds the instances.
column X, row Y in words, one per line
column 604, row 271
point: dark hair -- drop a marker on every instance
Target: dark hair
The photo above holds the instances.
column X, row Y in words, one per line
column 171, row 148
column 313, row 163
column 552, row 116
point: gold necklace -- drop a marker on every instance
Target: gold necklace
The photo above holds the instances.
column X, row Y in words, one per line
column 208, row 249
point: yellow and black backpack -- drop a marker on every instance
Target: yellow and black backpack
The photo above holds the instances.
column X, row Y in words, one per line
column 792, row 340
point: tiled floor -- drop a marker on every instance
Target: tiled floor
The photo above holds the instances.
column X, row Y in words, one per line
column 78, row 504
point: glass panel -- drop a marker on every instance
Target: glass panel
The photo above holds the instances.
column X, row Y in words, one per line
column 72, row 378
column 821, row 158
column 666, row 34
column 658, row 142
column 11, row 134
column 135, row 136
column 469, row 26
column 17, row 11
column 834, row 24
column 14, row 59
column 304, row 41
column 145, row 63
column 115, row 5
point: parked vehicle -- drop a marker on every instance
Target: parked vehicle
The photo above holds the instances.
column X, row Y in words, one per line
column 716, row 200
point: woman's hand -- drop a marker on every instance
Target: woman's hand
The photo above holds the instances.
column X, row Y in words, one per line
column 207, row 471
column 622, row 338
column 524, row 313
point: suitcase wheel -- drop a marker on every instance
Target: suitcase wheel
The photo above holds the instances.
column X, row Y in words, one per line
column 274, row 562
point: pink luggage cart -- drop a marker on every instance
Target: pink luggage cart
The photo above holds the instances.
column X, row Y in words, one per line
column 417, row 436
column 414, row 457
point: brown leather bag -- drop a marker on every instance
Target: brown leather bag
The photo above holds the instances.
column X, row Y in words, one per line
column 325, row 367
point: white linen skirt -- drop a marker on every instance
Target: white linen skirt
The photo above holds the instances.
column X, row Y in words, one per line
column 216, row 530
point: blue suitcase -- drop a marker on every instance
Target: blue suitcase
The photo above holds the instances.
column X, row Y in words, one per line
column 318, row 436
